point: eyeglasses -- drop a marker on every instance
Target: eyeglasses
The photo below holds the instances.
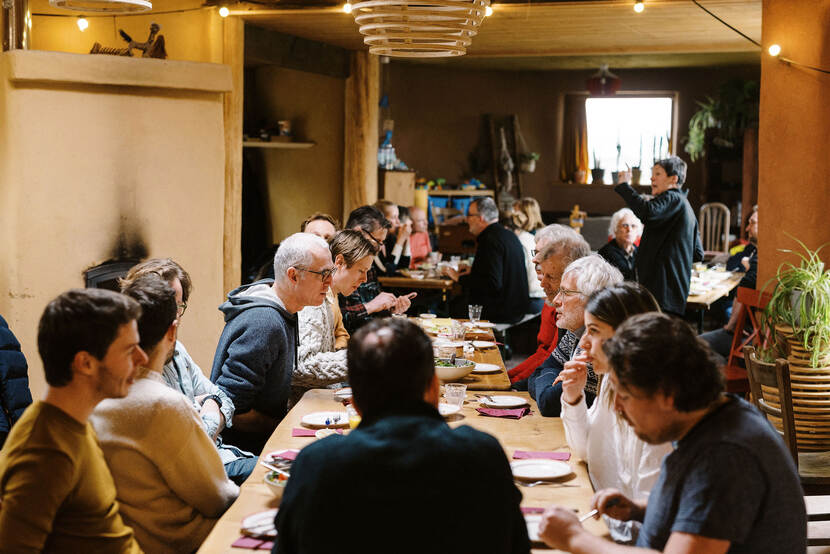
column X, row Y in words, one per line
column 566, row 292
column 181, row 308
column 325, row 275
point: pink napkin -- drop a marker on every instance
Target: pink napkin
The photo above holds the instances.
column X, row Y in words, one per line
column 528, row 455
column 515, row 413
column 252, row 543
column 298, row 432
column 532, row 510
column 284, row 454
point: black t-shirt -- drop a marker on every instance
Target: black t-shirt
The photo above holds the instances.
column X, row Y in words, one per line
column 730, row 478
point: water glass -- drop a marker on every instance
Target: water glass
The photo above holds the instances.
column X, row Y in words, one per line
column 455, row 393
column 458, row 330
column 474, row 313
column 434, row 257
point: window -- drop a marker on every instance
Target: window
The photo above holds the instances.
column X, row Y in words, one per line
column 641, row 126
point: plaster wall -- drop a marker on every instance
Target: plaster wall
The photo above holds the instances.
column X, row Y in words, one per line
column 91, row 169
column 438, row 119
column 299, row 182
column 793, row 164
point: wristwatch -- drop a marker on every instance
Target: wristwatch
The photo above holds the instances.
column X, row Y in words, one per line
column 214, row 397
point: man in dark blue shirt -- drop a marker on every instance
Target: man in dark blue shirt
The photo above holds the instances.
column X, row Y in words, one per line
column 402, row 481
column 729, row 486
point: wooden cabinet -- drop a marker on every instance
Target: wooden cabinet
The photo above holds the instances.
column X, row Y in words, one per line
column 397, row 187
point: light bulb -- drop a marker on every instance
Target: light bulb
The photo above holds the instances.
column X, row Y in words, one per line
column 347, row 7
column 82, row 24
column 224, row 11
column 488, row 11
column 639, row 6
column 774, row 50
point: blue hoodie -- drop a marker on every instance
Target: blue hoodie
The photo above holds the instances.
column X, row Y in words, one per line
column 255, row 357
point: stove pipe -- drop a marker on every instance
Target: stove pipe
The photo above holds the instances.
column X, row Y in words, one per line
column 17, row 24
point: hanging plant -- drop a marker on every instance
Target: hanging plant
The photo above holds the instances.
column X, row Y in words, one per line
column 731, row 111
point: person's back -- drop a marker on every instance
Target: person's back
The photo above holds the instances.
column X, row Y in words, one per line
column 732, row 478
column 403, row 483
column 498, row 279
column 14, row 381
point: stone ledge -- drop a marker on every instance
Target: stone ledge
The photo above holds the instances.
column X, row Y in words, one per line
column 38, row 66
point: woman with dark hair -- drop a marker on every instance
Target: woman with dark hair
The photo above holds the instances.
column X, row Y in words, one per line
column 616, row 457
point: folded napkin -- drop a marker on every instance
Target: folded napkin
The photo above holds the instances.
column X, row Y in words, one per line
column 515, row 413
column 285, row 454
column 298, row 432
column 532, row 510
column 252, row 543
column 529, row 455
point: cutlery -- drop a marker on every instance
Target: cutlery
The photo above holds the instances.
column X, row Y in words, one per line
column 537, row 483
column 588, row 516
column 275, row 468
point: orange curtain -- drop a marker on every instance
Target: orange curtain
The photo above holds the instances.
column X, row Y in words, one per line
column 574, row 138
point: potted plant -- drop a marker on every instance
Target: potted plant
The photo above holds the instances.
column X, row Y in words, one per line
column 799, row 308
column 635, row 170
column 597, row 173
column 615, row 174
column 731, row 111
column 528, row 162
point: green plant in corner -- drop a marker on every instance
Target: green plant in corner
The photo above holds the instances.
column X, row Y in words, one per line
column 529, row 156
column 801, row 300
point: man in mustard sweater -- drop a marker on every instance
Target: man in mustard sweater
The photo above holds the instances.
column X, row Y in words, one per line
column 169, row 477
column 56, row 492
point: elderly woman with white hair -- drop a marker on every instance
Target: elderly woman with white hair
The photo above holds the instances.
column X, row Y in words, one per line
column 581, row 279
column 621, row 251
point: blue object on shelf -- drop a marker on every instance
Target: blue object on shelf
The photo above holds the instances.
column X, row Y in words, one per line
column 438, row 202
column 461, row 203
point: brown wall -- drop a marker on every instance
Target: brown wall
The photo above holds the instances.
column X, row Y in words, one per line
column 438, row 119
column 299, row 182
column 794, row 132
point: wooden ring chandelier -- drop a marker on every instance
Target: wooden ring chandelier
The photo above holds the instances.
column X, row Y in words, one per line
column 419, row 28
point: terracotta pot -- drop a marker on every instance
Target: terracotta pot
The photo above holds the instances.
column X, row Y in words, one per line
column 579, row 176
column 597, row 176
column 635, row 175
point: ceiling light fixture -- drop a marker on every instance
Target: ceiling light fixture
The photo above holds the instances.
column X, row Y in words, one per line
column 419, row 28
column 774, row 50
column 347, row 7
column 224, row 11
column 113, row 7
column 82, row 24
column 639, row 6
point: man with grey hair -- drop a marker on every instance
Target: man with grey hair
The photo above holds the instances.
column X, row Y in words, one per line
column 257, row 352
column 498, row 278
column 556, row 247
column 579, row 281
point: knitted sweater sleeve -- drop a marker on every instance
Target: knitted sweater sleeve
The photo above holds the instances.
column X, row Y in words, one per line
column 318, row 363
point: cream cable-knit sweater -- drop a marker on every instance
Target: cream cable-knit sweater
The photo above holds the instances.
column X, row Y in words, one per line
column 169, row 479
column 319, row 364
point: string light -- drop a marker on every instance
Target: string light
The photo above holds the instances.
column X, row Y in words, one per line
column 82, row 24
column 639, row 6
column 224, row 11
column 488, row 11
column 774, row 50
column 347, row 7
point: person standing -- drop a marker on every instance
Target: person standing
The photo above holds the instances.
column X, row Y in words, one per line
column 671, row 240
column 56, row 491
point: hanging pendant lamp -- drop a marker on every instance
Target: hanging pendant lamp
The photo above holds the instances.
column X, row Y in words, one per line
column 104, row 6
column 419, row 28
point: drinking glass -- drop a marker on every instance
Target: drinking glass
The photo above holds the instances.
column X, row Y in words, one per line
column 474, row 313
column 455, row 393
column 434, row 257
column 458, row 330
column 354, row 417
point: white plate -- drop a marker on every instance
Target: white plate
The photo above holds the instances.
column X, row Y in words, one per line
column 483, row 344
column 427, row 316
column 534, row 470
column 317, row 420
column 449, row 343
column 448, row 409
column 260, row 524
column 486, row 368
column 343, row 394
column 481, row 324
column 504, row 401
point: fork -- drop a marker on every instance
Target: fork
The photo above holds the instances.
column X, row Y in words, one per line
column 537, row 483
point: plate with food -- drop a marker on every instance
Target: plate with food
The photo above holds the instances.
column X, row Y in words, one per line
column 343, row 394
column 260, row 525
column 448, row 369
column 481, row 367
column 320, row 420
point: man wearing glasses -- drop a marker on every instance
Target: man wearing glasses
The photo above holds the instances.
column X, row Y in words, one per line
column 257, row 352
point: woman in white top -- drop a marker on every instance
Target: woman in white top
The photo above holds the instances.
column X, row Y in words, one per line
column 323, row 338
column 616, row 457
column 525, row 220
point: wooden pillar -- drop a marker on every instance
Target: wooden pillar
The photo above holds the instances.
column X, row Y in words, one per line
column 749, row 187
column 233, row 54
column 793, row 133
column 360, row 174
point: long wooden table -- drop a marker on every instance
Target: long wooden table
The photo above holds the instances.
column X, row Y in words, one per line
column 408, row 284
column 532, row 432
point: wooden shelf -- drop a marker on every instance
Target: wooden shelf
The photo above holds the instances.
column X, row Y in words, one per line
column 478, row 192
column 287, row 145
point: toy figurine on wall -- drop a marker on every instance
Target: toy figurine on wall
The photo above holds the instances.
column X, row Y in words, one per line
column 152, row 48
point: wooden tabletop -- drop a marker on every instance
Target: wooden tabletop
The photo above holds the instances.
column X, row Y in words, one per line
column 705, row 300
column 410, row 283
column 532, row 432
column 482, row 381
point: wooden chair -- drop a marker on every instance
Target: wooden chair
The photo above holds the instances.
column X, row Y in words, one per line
column 752, row 304
column 714, row 227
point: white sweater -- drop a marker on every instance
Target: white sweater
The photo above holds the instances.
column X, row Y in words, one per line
column 169, row 479
column 319, row 364
column 616, row 457
column 534, row 286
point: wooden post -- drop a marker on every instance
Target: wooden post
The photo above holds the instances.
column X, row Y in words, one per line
column 233, row 54
column 360, row 174
column 749, row 181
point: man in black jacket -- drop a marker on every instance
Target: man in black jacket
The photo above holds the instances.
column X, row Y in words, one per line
column 671, row 241
column 14, row 381
column 403, row 481
column 498, row 278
